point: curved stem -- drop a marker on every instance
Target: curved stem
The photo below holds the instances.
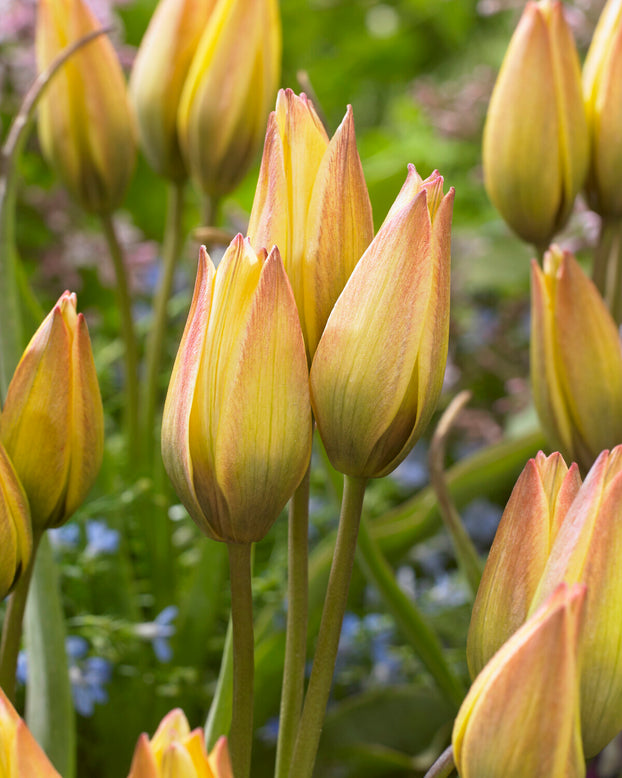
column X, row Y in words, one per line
column 296, row 636
column 13, row 624
column 318, row 692
column 171, row 249
column 241, row 735
column 444, row 765
column 129, row 335
column 607, row 270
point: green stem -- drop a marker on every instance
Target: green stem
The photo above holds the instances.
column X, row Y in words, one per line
column 13, row 624
column 607, row 271
column 318, row 692
column 171, row 249
column 296, row 636
column 408, row 617
column 241, row 737
column 444, row 765
column 129, row 336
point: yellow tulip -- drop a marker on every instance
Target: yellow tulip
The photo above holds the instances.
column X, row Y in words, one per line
column 236, row 432
column 378, row 369
column 52, row 423
column 312, row 202
column 15, row 528
column 20, row 754
column 85, row 125
column 535, row 149
column 521, row 715
column 576, row 360
column 158, row 78
column 228, row 92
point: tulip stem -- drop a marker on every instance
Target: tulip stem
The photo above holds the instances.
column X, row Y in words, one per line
column 318, row 692
column 171, row 249
column 128, row 333
column 607, row 271
column 444, row 765
column 292, row 692
column 13, row 624
column 241, row 735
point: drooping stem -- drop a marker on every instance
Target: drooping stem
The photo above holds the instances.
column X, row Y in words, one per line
column 13, row 624
column 444, row 765
column 318, row 691
column 607, row 270
column 128, row 332
column 292, row 690
column 241, row 734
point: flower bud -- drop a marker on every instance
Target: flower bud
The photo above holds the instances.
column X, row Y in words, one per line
column 312, row 202
column 521, row 715
column 576, row 361
column 175, row 751
column 236, row 431
column 158, row 77
column 535, row 151
column 20, row 754
column 378, row 369
column 602, row 88
column 15, row 529
column 228, row 92
column 52, row 424
column 530, row 522
column 85, row 126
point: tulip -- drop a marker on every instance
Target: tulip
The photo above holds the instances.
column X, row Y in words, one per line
column 529, row 525
column 312, row 202
column 535, row 151
column 236, row 432
column 176, row 752
column 602, row 88
column 15, row 529
column 378, row 369
column 158, row 77
column 85, row 125
column 521, row 715
column 20, row 754
column 228, row 92
column 576, row 361
column 52, row 423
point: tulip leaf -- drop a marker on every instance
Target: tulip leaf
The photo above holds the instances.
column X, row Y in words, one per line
column 219, row 716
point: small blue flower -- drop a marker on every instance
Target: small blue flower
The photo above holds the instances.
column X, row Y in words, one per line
column 159, row 631
column 88, row 681
column 100, row 538
column 21, row 672
column 65, row 537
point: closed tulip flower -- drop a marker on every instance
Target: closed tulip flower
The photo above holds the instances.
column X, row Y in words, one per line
column 312, row 202
column 576, row 361
column 378, row 369
column 520, row 551
column 236, row 432
column 52, row 422
column 15, row 529
column 521, row 715
column 535, row 150
column 228, row 92
column 20, row 754
column 85, row 125
column 158, row 77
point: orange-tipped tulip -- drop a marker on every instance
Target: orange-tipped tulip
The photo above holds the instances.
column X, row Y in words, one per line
column 576, row 360
column 312, row 202
column 529, row 525
column 85, row 125
column 176, row 752
column 236, row 432
column 521, row 715
column 535, row 149
column 52, row 423
column 378, row 369
column 228, row 92
column 20, row 754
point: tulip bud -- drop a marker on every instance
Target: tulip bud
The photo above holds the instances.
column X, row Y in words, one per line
column 175, row 751
column 576, row 360
column 158, row 77
column 236, row 432
column 535, row 151
column 588, row 549
column 228, row 92
column 530, row 522
column 602, row 88
column 15, row 529
column 378, row 369
column 312, row 202
column 521, row 715
column 85, row 126
column 52, row 424
column 20, row 754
